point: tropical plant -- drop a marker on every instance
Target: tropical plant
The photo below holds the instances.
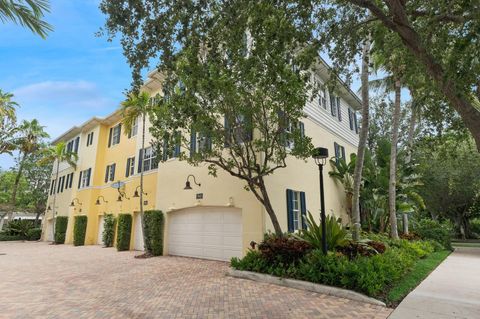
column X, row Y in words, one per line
column 27, row 13
column 31, row 135
column 57, row 154
column 19, row 228
column 336, row 234
column 8, row 120
column 344, row 173
column 135, row 107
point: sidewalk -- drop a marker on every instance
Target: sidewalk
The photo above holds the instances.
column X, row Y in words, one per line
column 451, row 291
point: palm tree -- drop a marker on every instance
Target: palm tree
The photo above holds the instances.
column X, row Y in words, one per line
column 8, row 120
column 362, row 144
column 58, row 153
column 31, row 135
column 343, row 172
column 27, row 13
column 137, row 106
column 392, row 83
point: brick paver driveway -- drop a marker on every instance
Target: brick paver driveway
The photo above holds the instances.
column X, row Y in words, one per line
column 38, row 280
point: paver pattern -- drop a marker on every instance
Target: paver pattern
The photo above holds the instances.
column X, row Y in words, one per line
column 38, row 280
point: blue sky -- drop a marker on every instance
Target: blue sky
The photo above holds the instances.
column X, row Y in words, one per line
column 67, row 78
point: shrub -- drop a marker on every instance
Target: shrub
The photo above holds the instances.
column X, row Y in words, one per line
column 79, row 230
column 7, row 237
column 108, row 233
column 371, row 275
column 410, row 236
column 432, row 229
column 124, row 230
column 154, row 225
column 61, row 223
column 283, row 250
column 475, row 226
column 336, row 234
column 34, row 234
column 356, row 249
column 19, row 228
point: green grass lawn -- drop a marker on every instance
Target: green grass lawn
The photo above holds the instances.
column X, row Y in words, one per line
column 419, row 272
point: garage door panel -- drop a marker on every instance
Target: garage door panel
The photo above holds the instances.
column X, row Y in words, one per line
column 212, row 234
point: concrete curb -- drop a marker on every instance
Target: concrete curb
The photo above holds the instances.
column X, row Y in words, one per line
column 305, row 285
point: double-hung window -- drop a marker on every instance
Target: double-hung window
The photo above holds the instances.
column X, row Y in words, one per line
column 147, row 160
column 84, row 178
column 238, row 130
column 134, row 130
column 339, row 152
column 291, row 127
column 114, row 136
column 130, row 169
column 171, row 151
column 110, row 173
column 322, row 97
column 296, row 210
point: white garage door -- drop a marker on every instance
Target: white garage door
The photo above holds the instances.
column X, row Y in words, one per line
column 138, row 238
column 101, row 225
column 210, row 233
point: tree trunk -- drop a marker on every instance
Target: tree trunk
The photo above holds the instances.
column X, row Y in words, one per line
column 393, row 162
column 265, row 200
column 405, row 223
column 357, row 177
column 142, row 215
column 397, row 21
column 15, row 187
column 55, row 199
column 411, row 134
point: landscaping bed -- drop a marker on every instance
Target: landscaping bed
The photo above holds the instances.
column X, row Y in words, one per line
column 378, row 267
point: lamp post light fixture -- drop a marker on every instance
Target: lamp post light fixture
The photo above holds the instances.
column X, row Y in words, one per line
column 98, row 200
column 72, row 204
column 137, row 194
column 320, row 155
column 187, row 183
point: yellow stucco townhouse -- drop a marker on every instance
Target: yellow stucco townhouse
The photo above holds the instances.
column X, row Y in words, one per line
column 216, row 218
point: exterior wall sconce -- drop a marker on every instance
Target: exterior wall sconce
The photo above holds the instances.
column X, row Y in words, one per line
column 98, row 200
column 137, row 194
column 72, row 204
column 187, row 183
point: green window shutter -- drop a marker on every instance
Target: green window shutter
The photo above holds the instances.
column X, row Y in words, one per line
column 112, row 167
column 165, row 149
column 303, row 210
column 193, row 142
column 302, row 129
column 127, row 170
column 228, row 132
column 290, row 210
column 339, row 109
column 343, row 153
column 350, row 118
column 89, row 174
column 178, row 141
column 356, row 122
column 107, row 170
column 80, row 180
column 110, row 137
column 71, row 180
column 77, row 141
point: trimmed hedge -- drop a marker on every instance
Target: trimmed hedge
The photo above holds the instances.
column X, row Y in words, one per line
column 154, row 226
column 61, row 223
column 108, row 230
column 34, row 234
column 79, row 230
column 124, row 230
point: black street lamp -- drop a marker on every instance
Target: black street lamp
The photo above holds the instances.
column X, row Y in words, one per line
column 187, row 183
column 320, row 155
